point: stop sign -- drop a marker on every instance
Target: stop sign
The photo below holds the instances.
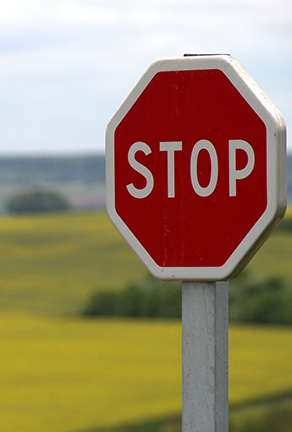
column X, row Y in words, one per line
column 196, row 168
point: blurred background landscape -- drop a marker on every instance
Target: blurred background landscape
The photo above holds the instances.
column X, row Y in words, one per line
column 89, row 341
column 80, row 180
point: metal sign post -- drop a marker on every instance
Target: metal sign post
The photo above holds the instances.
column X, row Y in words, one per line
column 205, row 356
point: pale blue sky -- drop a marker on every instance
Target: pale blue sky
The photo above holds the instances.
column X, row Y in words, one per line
column 66, row 65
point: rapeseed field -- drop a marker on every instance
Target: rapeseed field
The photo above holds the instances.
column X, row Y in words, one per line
column 61, row 373
column 64, row 375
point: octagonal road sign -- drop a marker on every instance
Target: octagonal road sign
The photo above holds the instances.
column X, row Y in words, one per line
column 195, row 168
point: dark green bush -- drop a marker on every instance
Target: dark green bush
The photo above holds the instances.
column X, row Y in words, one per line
column 102, row 303
column 286, row 224
column 151, row 298
column 259, row 301
column 36, row 202
column 251, row 300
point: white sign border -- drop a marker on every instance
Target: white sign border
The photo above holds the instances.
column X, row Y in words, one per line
column 276, row 167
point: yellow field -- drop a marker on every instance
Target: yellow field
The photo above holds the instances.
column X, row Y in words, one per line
column 66, row 375
column 260, row 361
column 59, row 376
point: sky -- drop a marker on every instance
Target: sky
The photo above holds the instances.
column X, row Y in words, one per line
column 66, row 65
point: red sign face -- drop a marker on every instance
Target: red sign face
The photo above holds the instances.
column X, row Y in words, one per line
column 190, row 170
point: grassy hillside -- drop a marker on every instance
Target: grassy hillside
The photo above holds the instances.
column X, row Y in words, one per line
column 50, row 264
column 275, row 257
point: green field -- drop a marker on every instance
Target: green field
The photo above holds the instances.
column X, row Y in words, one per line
column 60, row 373
column 49, row 264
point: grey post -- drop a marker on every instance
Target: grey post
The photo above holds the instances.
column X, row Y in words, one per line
column 205, row 356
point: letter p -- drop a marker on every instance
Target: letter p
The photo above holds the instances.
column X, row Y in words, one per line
column 235, row 174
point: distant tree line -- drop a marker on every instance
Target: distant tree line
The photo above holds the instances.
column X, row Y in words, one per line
column 27, row 171
column 251, row 300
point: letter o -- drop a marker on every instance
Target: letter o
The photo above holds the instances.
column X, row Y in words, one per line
column 208, row 190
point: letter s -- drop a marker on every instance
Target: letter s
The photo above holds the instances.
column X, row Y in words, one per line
column 141, row 169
